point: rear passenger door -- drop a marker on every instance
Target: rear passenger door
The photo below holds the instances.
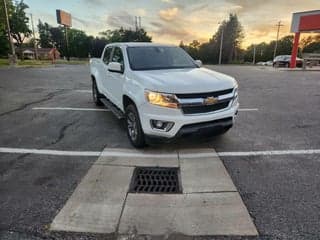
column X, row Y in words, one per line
column 116, row 79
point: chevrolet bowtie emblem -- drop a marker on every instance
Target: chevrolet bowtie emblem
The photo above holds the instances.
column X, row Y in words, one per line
column 210, row 101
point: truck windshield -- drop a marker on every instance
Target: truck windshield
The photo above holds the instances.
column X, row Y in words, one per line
column 158, row 57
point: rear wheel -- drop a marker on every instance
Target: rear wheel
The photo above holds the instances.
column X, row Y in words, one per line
column 95, row 94
column 134, row 129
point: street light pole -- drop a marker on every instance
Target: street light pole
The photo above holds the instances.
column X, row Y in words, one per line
column 13, row 59
column 34, row 38
column 254, row 54
column 221, row 45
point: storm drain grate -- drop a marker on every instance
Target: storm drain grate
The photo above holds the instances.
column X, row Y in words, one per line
column 155, row 180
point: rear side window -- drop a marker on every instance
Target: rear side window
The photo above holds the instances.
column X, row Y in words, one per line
column 117, row 55
column 107, row 55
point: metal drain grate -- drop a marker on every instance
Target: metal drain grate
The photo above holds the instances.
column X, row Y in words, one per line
column 155, row 180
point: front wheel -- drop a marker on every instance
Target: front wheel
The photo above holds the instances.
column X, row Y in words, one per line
column 134, row 129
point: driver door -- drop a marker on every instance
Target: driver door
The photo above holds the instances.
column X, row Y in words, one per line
column 116, row 79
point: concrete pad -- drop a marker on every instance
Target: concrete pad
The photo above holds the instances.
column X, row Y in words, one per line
column 200, row 174
column 120, row 152
column 197, row 153
column 188, row 214
column 96, row 204
column 155, row 158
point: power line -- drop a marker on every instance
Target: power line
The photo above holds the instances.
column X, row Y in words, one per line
column 279, row 25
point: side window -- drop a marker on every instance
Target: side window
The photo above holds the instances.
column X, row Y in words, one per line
column 117, row 55
column 107, row 55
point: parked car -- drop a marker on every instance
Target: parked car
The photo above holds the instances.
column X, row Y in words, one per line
column 284, row 61
column 162, row 92
column 269, row 63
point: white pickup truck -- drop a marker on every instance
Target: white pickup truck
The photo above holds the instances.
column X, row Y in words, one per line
column 162, row 92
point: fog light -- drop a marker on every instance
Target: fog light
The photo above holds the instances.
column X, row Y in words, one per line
column 161, row 125
column 158, row 124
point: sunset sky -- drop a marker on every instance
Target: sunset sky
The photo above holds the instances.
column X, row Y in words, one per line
column 170, row 21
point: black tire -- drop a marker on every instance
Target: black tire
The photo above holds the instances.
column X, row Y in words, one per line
column 95, row 94
column 133, row 126
column 287, row 65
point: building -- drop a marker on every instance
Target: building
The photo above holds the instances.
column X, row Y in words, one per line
column 43, row 53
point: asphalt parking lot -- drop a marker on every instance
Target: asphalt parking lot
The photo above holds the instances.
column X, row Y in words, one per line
column 272, row 153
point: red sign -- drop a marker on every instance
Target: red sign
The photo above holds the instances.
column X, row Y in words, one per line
column 310, row 23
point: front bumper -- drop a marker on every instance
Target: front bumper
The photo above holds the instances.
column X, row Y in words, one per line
column 184, row 124
column 199, row 129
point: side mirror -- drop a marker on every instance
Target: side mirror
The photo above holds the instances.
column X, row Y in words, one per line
column 115, row 67
column 198, row 63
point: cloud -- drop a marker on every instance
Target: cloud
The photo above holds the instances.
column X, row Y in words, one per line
column 140, row 12
column 169, row 14
column 121, row 19
column 83, row 22
column 94, row 2
column 199, row 7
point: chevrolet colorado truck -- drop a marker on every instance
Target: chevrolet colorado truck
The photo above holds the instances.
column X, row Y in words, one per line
column 161, row 92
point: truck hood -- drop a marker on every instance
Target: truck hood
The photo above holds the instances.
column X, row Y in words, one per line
column 195, row 80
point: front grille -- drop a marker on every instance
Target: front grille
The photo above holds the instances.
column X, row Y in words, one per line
column 192, row 103
column 204, row 95
column 155, row 180
column 204, row 108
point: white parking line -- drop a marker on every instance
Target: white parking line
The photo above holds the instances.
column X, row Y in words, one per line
column 72, row 109
column 248, row 109
column 134, row 153
column 84, row 91
column 49, row 152
column 269, row 153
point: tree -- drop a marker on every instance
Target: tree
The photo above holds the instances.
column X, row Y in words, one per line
column 192, row 48
column 45, row 38
column 4, row 39
column 19, row 23
column 232, row 37
column 97, row 45
column 79, row 43
column 209, row 52
column 126, row 35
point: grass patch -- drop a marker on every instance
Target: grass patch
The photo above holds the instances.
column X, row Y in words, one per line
column 41, row 63
column 4, row 62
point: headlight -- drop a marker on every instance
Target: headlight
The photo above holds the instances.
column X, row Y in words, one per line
column 162, row 99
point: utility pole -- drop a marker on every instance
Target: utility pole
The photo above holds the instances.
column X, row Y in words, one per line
column 67, row 42
column 221, row 45
column 254, row 54
column 139, row 22
column 34, row 38
column 136, row 22
column 13, row 60
column 279, row 25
